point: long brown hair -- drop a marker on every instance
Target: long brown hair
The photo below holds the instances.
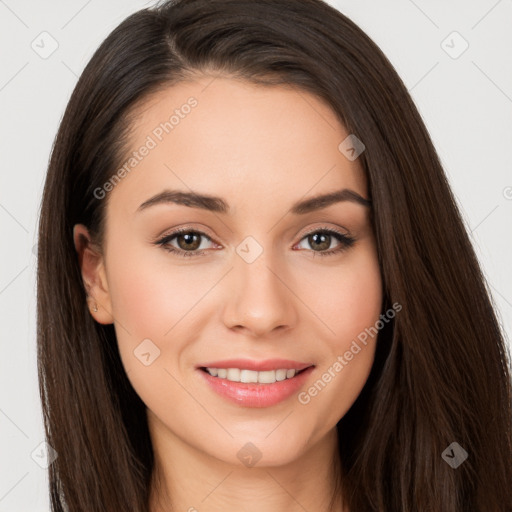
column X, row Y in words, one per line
column 442, row 371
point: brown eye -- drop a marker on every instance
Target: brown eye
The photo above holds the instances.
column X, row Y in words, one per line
column 321, row 239
column 188, row 242
column 191, row 241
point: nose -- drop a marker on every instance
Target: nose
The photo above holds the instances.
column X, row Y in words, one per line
column 259, row 297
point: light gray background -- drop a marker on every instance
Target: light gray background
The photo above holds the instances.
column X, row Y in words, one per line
column 465, row 102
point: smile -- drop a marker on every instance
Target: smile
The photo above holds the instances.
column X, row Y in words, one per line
column 251, row 392
column 250, row 376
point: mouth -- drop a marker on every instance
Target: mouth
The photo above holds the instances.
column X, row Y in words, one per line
column 251, row 388
column 246, row 376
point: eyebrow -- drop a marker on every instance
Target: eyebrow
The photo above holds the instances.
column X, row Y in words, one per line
column 219, row 205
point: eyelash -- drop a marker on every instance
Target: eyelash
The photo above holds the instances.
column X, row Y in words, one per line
column 345, row 242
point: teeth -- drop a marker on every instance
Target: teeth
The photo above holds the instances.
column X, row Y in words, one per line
column 233, row 374
column 248, row 376
column 281, row 374
column 267, row 377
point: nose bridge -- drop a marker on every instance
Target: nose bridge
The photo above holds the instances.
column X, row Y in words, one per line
column 259, row 298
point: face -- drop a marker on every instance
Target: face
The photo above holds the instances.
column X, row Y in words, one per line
column 253, row 276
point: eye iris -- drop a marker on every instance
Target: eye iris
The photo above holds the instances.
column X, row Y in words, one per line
column 324, row 244
column 189, row 237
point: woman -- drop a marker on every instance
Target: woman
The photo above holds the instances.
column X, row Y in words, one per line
column 254, row 372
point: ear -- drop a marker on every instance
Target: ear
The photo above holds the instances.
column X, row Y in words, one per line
column 92, row 266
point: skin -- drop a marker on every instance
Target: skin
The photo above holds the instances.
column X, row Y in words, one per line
column 261, row 149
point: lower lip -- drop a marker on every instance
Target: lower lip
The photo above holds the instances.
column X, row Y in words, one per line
column 257, row 395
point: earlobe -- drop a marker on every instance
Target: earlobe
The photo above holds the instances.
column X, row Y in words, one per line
column 92, row 268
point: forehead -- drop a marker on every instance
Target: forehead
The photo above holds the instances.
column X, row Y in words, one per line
column 248, row 143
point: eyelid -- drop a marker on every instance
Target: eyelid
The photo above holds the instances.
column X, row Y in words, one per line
column 325, row 228
column 185, row 228
column 205, row 232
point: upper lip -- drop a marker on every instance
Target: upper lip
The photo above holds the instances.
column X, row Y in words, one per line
column 258, row 366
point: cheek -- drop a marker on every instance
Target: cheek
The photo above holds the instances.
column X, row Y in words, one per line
column 150, row 294
column 157, row 298
column 346, row 297
column 152, row 299
column 355, row 315
column 349, row 309
column 359, row 300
